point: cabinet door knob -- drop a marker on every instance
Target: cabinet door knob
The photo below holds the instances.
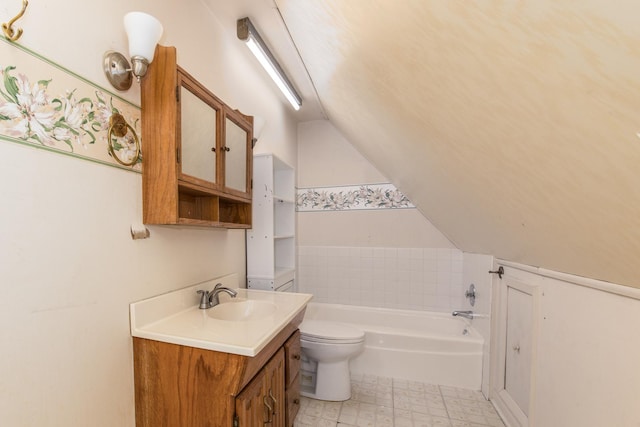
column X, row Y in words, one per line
column 213, row 149
column 226, row 149
column 296, row 357
column 296, row 401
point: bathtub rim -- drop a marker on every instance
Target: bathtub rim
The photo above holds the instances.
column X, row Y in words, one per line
column 474, row 334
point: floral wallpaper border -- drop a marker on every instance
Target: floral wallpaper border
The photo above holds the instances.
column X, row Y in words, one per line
column 46, row 106
column 355, row 197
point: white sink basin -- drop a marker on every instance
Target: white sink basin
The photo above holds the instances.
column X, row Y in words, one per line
column 243, row 325
column 242, row 310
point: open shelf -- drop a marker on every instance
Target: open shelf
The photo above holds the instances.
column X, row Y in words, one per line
column 271, row 244
column 205, row 207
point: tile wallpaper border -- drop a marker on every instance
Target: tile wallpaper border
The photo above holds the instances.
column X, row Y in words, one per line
column 351, row 197
column 45, row 106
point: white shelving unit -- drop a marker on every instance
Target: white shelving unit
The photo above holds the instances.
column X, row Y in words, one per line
column 271, row 242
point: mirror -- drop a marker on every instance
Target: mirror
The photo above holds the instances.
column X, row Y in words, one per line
column 198, row 136
column 235, row 156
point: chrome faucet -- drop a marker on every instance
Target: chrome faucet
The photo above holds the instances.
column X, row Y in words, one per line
column 468, row 314
column 210, row 299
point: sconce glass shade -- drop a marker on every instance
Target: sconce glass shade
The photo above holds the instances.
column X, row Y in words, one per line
column 258, row 125
column 144, row 32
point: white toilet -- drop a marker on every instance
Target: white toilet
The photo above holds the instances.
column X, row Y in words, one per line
column 328, row 347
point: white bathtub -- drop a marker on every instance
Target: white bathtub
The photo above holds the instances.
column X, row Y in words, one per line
column 430, row 347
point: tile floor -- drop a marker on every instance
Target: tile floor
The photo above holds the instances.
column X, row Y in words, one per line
column 386, row 402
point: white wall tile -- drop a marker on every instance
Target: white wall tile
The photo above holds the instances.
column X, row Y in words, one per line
column 405, row 278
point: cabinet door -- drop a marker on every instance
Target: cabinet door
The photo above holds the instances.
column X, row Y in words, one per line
column 292, row 351
column 198, row 122
column 237, row 155
column 275, row 388
column 253, row 407
column 262, row 401
column 293, row 400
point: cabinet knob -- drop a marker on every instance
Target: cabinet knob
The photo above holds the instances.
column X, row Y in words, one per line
column 296, row 357
column 213, row 149
column 296, row 401
column 226, row 149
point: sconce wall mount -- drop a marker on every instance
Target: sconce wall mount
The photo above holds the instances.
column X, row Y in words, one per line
column 117, row 70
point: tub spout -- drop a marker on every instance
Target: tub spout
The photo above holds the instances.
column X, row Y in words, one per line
column 468, row 314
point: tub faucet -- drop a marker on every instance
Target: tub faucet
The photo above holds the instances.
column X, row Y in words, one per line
column 210, row 299
column 468, row 314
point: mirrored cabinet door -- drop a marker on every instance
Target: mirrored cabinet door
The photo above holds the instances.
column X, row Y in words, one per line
column 198, row 137
column 235, row 148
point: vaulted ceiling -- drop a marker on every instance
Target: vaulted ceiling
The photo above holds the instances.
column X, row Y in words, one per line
column 514, row 126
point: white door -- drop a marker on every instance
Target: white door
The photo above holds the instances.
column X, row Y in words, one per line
column 513, row 350
column 517, row 379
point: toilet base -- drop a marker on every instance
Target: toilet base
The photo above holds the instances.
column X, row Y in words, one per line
column 333, row 382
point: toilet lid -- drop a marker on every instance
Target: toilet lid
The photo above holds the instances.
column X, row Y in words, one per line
column 315, row 330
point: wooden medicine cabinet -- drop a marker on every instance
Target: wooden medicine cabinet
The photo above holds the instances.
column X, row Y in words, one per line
column 197, row 154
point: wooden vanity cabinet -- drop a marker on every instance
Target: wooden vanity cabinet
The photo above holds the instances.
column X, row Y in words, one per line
column 184, row 386
column 197, row 151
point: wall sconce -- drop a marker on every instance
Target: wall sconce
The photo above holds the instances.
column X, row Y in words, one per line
column 258, row 125
column 144, row 32
column 248, row 34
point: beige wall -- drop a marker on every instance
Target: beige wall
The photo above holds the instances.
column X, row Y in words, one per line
column 511, row 124
column 326, row 158
column 363, row 257
column 68, row 266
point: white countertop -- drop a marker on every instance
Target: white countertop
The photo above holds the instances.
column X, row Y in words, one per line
column 175, row 318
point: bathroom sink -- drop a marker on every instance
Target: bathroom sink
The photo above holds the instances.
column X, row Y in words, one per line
column 242, row 310
column 243, row 325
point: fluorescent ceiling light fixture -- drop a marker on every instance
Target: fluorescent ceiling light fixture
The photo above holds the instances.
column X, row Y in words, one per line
column 248, row 34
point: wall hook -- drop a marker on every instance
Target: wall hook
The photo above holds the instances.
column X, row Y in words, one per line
column 7, row 27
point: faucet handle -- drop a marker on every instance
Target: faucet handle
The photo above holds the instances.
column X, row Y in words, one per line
column 218, row 285
column 471, row 294
column 204, row 299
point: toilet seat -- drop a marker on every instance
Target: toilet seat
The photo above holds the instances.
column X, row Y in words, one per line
column 330, row 332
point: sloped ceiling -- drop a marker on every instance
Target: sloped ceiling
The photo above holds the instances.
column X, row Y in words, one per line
column 512, row 125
